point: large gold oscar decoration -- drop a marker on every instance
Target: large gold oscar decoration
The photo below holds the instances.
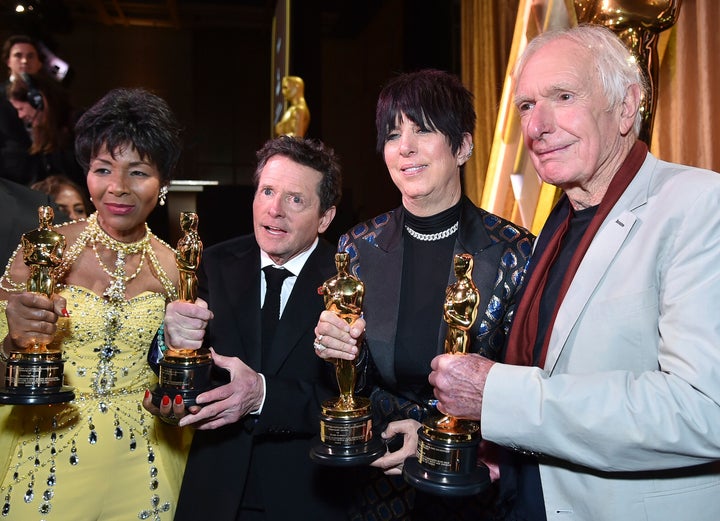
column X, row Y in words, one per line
column 447, row 452
column 34, row 373
column 185, row 372
column 638, row 23
column 296, row 118
column 346, row 436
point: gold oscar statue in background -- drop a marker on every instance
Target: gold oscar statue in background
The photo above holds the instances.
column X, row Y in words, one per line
column 296, row 118
column 186, row 372
column 346, row 436
column 638, row 23
column 34, row 373
column 446, row 461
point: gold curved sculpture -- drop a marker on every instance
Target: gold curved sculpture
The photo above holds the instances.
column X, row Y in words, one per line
column 638, row 24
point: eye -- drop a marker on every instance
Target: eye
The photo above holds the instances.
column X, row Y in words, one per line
column 392, row 136
column 524, row 106
column 565, row 96
column 295, row 200
column 101, row 171
column 266, row 191
column 139, row 173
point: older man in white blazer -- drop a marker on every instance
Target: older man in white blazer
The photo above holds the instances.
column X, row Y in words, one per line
column 611, row 383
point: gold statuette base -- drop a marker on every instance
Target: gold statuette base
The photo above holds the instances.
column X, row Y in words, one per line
column 35, row 378
column 187, row 376
column 346, row 437
column 446, row 462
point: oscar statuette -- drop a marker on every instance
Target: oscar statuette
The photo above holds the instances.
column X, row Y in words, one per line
column 346, row 436
column 447, row 452
column 34, row 373
column 185, row 372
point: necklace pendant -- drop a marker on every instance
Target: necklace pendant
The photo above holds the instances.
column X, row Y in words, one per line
column 116, row 290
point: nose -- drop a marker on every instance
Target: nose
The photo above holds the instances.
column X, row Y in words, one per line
column 118, row 184
column 540, row 122
column 276, row 208
column 408, row 144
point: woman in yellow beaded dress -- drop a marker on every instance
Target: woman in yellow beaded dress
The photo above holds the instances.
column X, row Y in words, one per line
column 100, row 456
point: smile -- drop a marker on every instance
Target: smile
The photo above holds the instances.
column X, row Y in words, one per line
column 412, row 169
column 119, row 209
column 549, row 150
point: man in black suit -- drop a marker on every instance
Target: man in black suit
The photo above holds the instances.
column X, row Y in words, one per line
column 20, row 214
column 249, row 458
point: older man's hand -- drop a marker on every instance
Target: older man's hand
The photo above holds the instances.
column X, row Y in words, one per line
column 459, row 382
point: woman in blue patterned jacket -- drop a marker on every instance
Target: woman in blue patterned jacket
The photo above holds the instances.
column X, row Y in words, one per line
column 405, row 259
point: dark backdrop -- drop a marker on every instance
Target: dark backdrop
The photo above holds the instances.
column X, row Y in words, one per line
column 213, row 67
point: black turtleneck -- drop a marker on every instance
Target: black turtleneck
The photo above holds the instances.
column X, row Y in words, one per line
column 425, row 276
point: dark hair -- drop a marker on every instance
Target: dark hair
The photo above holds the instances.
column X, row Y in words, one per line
column 52, row 185
column 432, row 99
column 20, row 38
column 130, row 117
column 54, row 131
column 312, row 153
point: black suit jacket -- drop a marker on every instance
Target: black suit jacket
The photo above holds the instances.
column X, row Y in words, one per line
column 19, row 207
column 273, row 448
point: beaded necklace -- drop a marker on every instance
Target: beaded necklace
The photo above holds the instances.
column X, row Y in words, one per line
column 91, row 236
column 116, row 289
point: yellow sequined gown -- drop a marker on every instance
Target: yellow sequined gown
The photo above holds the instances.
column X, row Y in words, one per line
column 102, row 456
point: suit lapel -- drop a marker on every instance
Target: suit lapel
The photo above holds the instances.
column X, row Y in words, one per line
column 302, row 310
column 383, row 259
column 243, row 297
column 609, row 240
column 473, row 238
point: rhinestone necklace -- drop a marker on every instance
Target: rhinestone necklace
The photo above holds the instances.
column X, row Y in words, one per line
column 119, row 278
column 91, row 235
column 428, row 237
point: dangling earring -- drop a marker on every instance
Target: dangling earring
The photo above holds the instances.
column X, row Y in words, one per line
column 163, row 195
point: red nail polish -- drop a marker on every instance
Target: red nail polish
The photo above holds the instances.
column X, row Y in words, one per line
column 147, row 393
column 165, row 401
column 64, row 312
column 178, row 399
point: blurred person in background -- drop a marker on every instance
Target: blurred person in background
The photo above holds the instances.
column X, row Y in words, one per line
column 68, row 196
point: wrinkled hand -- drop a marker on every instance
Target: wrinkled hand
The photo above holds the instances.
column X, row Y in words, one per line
column 185, row 323
column 230, row 402
column 32, row 318
column 459, row 382
column 339, row 338
column 392, row 462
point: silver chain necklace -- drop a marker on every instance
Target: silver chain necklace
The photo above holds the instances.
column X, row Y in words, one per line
column 428, row 237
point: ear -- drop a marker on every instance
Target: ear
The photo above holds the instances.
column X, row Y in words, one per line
column 465, row 150
column 629, row 108
column 326, row 219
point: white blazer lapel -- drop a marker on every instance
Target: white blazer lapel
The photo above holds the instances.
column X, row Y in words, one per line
column 597, row 260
